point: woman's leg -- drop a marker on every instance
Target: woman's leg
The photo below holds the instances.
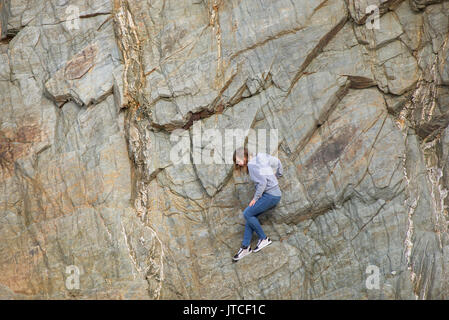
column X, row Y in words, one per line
column 247, row 235
column 252, row 223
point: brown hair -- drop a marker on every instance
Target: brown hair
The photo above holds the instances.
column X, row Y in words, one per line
column 241, row 153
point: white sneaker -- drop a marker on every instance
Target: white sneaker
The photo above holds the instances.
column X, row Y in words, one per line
column 242, row 253
column 262, row 244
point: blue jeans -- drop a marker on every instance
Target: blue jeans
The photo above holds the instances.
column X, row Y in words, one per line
column 267, row 201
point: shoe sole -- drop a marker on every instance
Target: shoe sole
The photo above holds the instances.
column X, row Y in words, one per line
column 235, row 260
column 263, row 246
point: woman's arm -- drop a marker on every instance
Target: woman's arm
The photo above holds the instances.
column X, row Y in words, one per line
column 276, row 163
column 259, row 179
column 280, row 170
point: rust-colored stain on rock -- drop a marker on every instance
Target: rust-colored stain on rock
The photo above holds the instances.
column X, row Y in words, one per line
column 81, row 63
column 332, row 149
column 15, row 145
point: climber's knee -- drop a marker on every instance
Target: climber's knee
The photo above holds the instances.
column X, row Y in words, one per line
column 247, row 213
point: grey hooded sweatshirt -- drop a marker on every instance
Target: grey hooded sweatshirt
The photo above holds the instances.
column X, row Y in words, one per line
column 261, row 170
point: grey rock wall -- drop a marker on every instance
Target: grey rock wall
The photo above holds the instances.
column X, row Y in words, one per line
column 91, row 93
column 4, row 7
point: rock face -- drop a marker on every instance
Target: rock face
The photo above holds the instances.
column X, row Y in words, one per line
column 4, row 7
column 96, row 95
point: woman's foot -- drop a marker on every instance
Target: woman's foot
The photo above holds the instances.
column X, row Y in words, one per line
column 262, row 243
column 242, row 253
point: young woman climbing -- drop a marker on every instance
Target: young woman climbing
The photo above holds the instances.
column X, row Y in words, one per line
column 267, row 195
